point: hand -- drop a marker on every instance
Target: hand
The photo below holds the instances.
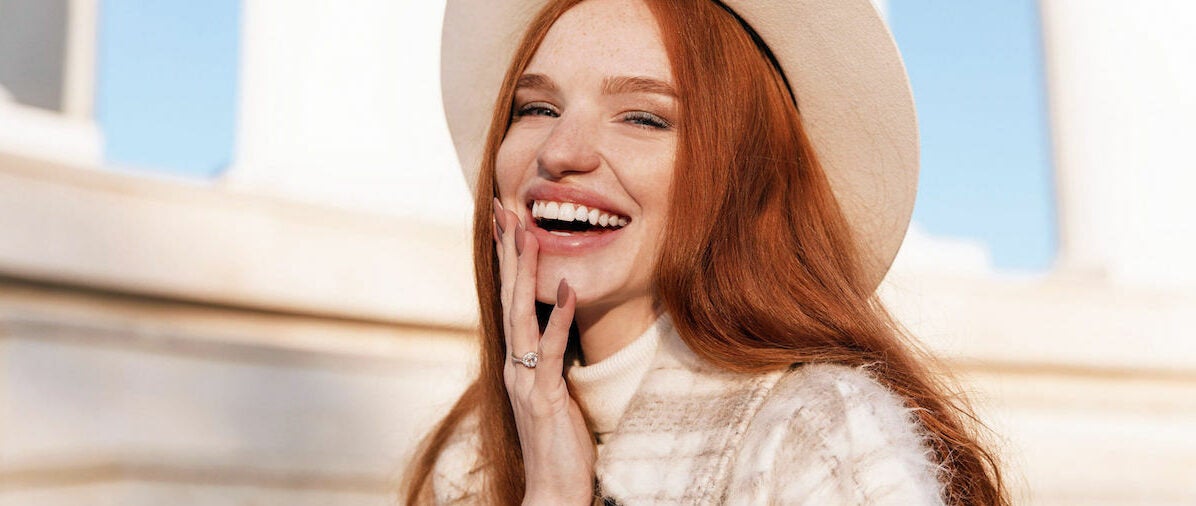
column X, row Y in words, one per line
column 558, row 452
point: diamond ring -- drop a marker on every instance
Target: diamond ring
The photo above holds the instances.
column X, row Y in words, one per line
column 528, row 359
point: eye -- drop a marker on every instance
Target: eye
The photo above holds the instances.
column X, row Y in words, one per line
column 537, row 109
column 648, row 120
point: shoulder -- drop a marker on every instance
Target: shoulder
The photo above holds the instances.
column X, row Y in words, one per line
column 834, row 434
column 832, row 396
column 456, row 476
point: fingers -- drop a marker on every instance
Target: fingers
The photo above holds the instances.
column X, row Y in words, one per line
column 517, row 271
column 499, row 228
column 525, row 329
column 508, row 223
column 556, row 338
column 518, row 260
column 500, row 233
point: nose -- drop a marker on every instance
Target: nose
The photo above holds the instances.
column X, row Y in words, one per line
column 569, row 148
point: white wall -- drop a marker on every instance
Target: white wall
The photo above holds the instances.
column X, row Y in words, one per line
column 342, row 106
column 1121, row 79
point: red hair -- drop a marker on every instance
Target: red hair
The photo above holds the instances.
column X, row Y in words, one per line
column 763, row 275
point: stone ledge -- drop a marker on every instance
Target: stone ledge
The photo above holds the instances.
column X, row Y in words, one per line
column 156, row 493
column 185, row 240
column 82, row 398
column 95, row 318
column 1049, row 322
column 172, row 469
column 48, row 134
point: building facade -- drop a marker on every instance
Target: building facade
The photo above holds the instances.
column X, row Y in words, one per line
column 285, row 333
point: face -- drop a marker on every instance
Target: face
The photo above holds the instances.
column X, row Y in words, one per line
column 588, row 159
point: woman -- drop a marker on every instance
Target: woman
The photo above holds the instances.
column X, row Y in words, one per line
column 648, row 181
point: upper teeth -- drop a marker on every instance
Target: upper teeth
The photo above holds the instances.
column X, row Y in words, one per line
column 567, row 211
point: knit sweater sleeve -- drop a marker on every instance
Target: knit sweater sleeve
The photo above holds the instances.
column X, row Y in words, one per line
column 456, row 476
column 831, row 434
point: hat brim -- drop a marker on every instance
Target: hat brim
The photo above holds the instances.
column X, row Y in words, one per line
column 838, row 55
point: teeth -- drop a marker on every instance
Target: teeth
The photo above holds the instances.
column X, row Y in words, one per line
column 568, row 211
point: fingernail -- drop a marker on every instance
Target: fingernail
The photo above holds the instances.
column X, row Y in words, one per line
column 494, row 227
column 518, row 238
column 498, row 216
column 562, row 293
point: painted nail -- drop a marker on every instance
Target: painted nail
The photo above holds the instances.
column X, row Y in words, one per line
column 498, row 216
column 494, row 228
column 518, row 238
column 562, row 293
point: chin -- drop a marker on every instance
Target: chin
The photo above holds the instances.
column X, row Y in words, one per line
column 548, row 279
column 585, row 281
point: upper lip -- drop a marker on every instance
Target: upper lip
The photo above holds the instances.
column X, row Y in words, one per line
column 562, row 193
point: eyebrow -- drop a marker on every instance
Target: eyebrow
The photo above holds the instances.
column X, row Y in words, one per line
column 635, row 84
column 610, row 85
column 535, row 82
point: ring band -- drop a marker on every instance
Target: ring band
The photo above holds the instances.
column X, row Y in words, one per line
column 528, row 359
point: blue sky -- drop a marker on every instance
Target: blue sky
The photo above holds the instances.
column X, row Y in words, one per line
column 167, row 78
column 166, row 83
column 976, row 72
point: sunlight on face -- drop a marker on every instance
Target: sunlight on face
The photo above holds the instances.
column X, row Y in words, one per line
column 594, row 126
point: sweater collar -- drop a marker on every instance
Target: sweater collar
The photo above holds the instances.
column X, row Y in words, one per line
column 604, row 389
column 685, row 413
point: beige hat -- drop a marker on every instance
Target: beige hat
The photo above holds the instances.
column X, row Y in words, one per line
column 838, row 56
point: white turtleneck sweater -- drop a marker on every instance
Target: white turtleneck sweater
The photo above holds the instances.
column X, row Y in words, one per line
column 605, row 388
column 678, row 430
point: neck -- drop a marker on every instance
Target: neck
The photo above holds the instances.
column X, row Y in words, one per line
column 606, row 330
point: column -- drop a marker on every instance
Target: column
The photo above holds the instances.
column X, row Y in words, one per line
column 1123, row 114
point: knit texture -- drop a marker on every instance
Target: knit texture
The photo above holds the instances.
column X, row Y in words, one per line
column 604, row 389
column 817, row 434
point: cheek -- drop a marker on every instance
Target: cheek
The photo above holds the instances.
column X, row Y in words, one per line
column 662, row 178
column 510, row 163
column 505, row 174
column 653, row 188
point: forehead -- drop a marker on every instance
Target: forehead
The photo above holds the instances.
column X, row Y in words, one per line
column 607, row 37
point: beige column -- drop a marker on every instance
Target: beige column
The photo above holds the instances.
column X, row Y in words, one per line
column 341, row 105
column 79, row 72
column 1123, row 115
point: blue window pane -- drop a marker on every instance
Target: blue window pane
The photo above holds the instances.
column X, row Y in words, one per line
column 167, row 82
column 976, row 69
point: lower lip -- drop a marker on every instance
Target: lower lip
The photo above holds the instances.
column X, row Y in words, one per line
column 574, row 244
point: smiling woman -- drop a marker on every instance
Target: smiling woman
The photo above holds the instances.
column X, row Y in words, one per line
column 594, row 128
column 676, row 268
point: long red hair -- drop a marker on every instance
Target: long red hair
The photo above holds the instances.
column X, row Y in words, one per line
column 763, row 274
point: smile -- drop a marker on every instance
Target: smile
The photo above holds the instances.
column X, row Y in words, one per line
column 567, row 218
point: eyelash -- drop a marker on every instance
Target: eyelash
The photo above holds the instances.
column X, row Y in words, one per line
column 647, row 120
column 534, row 109
column 639, row 119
